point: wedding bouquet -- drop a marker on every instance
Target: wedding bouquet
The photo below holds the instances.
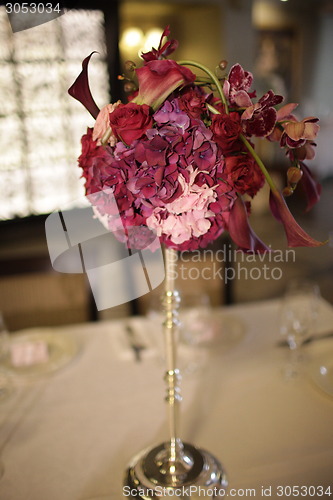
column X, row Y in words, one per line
column 178, row 158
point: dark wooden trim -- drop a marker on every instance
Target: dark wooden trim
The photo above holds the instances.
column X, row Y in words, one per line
column 25, row 265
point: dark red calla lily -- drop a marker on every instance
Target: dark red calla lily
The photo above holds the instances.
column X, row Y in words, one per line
column 241, row 232
column 296, row 236
column 80, row 89
column 157, row 79
column 311, row 187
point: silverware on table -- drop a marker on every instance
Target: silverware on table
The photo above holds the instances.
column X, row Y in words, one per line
column 136, row 346
column 308, row 340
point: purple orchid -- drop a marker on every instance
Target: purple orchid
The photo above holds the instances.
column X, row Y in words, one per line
column 260, row 119
column 236, row 87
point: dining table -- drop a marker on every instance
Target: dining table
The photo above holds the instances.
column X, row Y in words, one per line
column 69, row 430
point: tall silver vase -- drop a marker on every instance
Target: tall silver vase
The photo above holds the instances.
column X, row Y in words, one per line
column 174, row 468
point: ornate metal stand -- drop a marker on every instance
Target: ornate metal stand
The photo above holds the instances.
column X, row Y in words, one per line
column 174, row 465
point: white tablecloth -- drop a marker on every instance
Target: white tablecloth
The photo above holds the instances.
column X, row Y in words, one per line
column 70, row 435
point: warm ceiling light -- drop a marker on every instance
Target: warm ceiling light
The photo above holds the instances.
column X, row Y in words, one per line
column 131, row 38
column 152, row 39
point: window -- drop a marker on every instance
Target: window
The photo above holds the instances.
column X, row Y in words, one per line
column 40, row 124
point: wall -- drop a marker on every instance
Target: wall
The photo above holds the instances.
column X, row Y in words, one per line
column 312, row 23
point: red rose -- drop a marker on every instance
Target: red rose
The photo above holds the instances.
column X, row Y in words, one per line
column 89, row 150
column 243, row 174
column 193, row 103
column 88, row 146
column 226, row 130
column 93, row 159
column 130, row 121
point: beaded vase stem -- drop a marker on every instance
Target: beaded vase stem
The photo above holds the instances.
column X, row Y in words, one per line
column 174, row 465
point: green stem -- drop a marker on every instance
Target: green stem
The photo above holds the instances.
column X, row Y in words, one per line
column 259, row 163
column 214, row 79
column 212, row 109
column 203, row 79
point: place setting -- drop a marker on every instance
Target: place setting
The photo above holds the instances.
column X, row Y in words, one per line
column 35, row 352
column 307, row 335
column 320, row 367
column 201, row 330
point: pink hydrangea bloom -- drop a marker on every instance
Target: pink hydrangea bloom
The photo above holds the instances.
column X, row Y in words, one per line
column 186, row 217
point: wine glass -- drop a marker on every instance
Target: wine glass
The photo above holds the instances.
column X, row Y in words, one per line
column 195, row 314
column 298, row 315
column 194, row 329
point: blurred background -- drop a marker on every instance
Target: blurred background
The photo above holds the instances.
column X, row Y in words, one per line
column 286, row 44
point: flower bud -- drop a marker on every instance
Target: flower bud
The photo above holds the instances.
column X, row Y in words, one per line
column 129, row 87
column 287, row 191
column 223, row 64
column 294, row 175
column 130, row 66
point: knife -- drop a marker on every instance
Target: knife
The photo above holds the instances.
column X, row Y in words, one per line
column 136, row 346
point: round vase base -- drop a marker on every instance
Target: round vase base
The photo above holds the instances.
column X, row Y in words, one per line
column 197, row 474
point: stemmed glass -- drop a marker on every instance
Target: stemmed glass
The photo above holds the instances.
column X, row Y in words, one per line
column 195, row 330
column 196, row 327
column 298, row 315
